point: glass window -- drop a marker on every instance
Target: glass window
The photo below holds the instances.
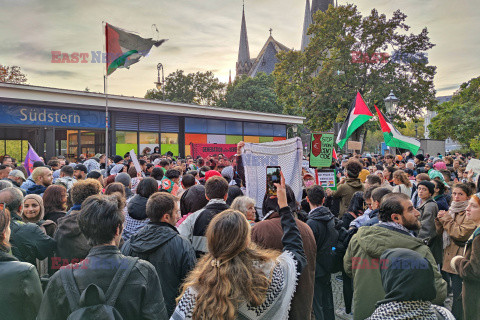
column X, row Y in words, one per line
column 169, row 143
column 148, row 139
column 126, row 141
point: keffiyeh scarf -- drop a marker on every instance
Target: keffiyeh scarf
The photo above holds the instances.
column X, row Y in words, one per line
column 277, row 302
column 410, row 310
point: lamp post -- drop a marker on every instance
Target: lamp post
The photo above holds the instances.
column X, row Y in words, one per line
column 391, row 103
column 160, row 84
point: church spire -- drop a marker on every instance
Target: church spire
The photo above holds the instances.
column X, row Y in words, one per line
column 321, row 5
column 306, row 23
column 243, row 63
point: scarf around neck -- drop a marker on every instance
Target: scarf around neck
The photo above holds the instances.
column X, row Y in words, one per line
column 410, row 310
column 455, row 208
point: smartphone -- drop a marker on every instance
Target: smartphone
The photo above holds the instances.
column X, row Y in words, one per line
column 273, row 176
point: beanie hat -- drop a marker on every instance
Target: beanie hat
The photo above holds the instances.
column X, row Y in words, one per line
column 429, row 185
column 123, row 178
column 211, row 173
column 440, row 165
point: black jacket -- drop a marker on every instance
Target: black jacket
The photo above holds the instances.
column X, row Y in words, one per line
column 21, row 292
column 317, row 221
column 199, row 241
column 137, row 207
column 29, row 242
column 36, row 189
column 140, row 298
column 171, row 255
column 71, row 243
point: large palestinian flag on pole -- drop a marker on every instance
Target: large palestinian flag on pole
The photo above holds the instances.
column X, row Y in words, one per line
column 125, row 48
column 358, row 114
column 395, row 139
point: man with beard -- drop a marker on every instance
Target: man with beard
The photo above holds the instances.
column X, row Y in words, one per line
column 398, row 220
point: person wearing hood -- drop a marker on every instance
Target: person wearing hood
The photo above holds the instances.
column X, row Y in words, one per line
column 348, row 186
column 409, row 284
column 43, row 177
column 398, row 219
column 319, row 220
column 160, row 244
column 137, row 206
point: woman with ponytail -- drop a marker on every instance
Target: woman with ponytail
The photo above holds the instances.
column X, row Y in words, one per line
column 235, row 279
column 455, row 229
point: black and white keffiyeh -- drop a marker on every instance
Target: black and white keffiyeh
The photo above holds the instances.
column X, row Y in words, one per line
column 410, row 310
column 277, row 302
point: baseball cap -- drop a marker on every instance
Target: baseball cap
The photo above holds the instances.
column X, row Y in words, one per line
column 17, row 174
column 81, row 167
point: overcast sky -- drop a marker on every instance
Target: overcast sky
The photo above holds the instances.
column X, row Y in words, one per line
column 204, row 35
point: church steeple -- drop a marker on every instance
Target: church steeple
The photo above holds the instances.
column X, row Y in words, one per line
column 244, row 63
column 306, row 23
column 320, row 5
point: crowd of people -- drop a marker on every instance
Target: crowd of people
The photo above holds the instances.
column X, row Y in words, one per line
column 179, row 239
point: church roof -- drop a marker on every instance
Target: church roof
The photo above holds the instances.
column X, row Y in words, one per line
column 266, row 59
column 320, row 5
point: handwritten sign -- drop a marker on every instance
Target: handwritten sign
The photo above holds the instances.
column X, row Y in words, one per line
column 326, row 178
column 133, row 156
column 354, row 145
column 321, row 149
column 473, row 164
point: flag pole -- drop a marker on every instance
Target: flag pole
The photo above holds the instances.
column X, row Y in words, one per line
column 105, row 92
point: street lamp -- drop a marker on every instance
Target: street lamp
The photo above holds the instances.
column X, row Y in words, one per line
column 160, row 84
column 391, row 103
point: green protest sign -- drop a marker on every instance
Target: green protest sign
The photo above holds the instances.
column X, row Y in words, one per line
column 321, row 149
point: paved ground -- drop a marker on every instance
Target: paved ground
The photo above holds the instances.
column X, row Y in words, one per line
column 338, row 297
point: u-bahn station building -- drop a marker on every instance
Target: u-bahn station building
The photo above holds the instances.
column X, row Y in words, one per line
column 70, row 123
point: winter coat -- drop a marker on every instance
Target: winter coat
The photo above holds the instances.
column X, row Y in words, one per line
column 71, row 243
column 459, row 229
column 29, row 242
column 468, row 269
column 361, row 263
column 442, row 202
column 199, row 240
column 28, row 183
column 36, row 189
column 317, row 221
column 428, row 233
column 345, row 193
column 171, row 255
column 268, row 234
column 54, row 215
column 140, row 297
column 21, row 292
column 401, row 188
column 68, row 182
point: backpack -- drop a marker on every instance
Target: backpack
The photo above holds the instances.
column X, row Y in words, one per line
column 340, row 237
column 93, row 303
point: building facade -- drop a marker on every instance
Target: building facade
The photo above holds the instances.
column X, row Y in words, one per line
column 70, row 123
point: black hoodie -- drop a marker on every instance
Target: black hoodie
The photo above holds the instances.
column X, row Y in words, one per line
column 171, row 255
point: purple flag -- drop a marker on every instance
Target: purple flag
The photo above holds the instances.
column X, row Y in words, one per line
column 31, row 157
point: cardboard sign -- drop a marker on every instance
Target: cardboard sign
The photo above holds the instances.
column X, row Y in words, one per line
column 473, row 164
column 135, row 161
column 354, row 145
column 321, row 146
column 326, row 178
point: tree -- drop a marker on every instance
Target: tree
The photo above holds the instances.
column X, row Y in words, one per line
column 408, row 128
column 459, row 118
column 254, row 94
column 12, row 74
column 321, row 82
column 200, row 88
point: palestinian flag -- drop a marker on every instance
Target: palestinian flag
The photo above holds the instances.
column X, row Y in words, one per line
column 395, row 139
column 358, row 114
column 125, row 48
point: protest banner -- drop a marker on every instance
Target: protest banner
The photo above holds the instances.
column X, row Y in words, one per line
column 326, row 178
column 321, row 146
column 473, row 164
column 207, row 149
column 354, row 145
column 133, row 156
